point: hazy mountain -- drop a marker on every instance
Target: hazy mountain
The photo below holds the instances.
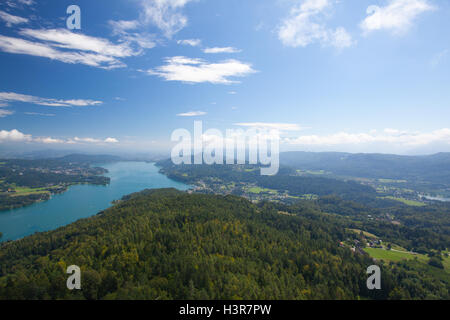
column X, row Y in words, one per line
column 433, row 168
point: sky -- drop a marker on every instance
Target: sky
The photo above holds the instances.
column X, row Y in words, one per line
column 348, row 75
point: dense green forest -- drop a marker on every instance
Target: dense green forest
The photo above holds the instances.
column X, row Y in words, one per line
column 166, row 244
column 424, row 229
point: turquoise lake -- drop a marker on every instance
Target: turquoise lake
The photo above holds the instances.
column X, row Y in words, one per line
column 82, row 201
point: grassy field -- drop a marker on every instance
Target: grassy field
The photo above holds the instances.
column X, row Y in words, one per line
column 365, row 233
column 417, row 261
column 406, row 201
column 394, row 256
column 24, row 191
column 258, row 190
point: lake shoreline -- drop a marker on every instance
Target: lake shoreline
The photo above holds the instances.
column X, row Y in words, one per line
column 84, row 200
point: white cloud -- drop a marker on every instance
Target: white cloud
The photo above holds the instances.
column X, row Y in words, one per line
column 306, row 25
column 390, row 136
column 198, row 70
column 111, row 140
column 86, row 140
column 92, row 140
column 192, row 114
column 11, row 20
column 190, row 42
column 48, row 140
column 13, row 136
column 7, row 97
column 221, row 50
column 397, row 16
column 271, row 126
column 165, row 14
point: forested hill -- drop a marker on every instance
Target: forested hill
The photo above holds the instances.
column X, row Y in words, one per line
column 165, row 244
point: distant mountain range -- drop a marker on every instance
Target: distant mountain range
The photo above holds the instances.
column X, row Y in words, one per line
column 433, row 168
column 428, row 168
column 78, row 157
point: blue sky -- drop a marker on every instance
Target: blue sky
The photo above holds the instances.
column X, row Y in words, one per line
column 348, row 75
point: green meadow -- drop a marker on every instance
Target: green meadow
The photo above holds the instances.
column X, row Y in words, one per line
column 406, row 201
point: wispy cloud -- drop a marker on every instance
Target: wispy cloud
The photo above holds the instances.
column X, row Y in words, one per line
column 122, row 26
column 11, row 20
column 192, row 114
column 128, row 34
column 4, row 113
column 40, row 114
column 15, row 136
column 190, row 42
column 271, row 126
column 26, row 2
column 397, row 16
column 66, row 39
column 221, row 50
column 306, row 25
column 165, row 14
column 8, row 97
column 197, row 70
column 21, row 46
column 19, row 3
column 438, row 58
column 69, row 47
column 390, row 136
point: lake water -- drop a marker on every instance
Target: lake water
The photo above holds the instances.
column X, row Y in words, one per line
column 82, row 201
